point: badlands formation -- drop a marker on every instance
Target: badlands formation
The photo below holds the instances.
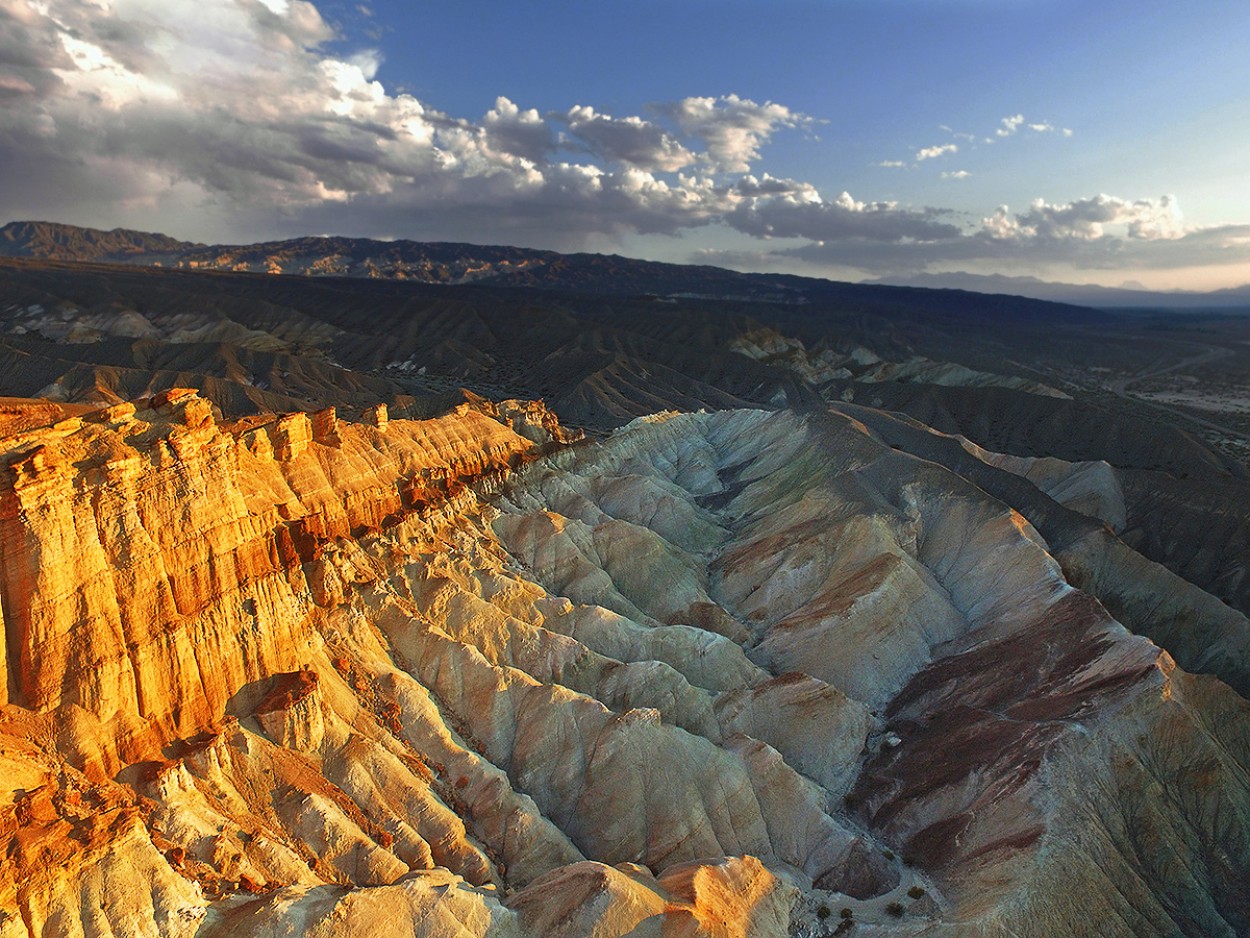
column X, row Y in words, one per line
column 753, row 672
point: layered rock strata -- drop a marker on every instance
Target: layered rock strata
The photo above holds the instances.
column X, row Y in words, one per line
column 716, row 675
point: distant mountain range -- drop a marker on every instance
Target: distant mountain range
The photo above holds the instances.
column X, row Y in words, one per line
column 1081, row 294
column 503, row 266
column 448, row 263
column 424, row 262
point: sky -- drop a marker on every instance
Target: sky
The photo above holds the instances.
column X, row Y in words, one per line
column 1088, row 141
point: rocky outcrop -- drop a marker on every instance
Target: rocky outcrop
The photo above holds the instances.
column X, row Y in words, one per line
column 822, row 365
column 135, row 543
column 1091, row 488
column 709, row 676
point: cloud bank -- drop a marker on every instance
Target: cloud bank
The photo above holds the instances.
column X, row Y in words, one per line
column 237, row 114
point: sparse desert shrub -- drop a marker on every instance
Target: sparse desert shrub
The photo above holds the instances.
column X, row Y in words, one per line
column 888, row 854
column 895, row 909
column 846, row 913
column 823, row 912
column 916, row 892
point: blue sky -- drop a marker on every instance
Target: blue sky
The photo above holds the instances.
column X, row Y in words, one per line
column 1084, row 141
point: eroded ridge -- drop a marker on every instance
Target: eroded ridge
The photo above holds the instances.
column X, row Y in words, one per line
column 457, row 677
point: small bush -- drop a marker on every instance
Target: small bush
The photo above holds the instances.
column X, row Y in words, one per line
column 916, row 892
column 895, row 909
column 823, row 912
column 847, row 913
column 888, row 854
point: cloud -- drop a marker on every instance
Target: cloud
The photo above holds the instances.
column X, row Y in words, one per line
column 629, row 140
column 123, row 111
column 802, row 213
column 520, row 133
column 930, row 153
column 1045, row 127
column 249, row 124
column 253, row 125
column 1088, row 219
column 770, row 186
column 933, row 152
column 1011, row 125
column 1101, row 232
column 732, row 128
column 1107, row 232
column 958, row 135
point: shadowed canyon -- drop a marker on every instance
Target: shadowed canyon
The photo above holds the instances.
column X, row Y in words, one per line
column 481, row 592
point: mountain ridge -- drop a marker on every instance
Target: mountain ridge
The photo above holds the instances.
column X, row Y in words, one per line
column 57, row 241
column 461, row 263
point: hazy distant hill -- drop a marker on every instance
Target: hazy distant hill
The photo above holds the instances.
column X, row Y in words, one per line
column 1082, row 294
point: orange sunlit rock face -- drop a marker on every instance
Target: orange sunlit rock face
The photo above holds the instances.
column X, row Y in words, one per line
column 135, row 544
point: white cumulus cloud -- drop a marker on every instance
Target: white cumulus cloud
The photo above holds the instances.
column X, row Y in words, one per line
column 1009, row 125
column 931, row 153
column 732, row 128
column 1089, row 220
